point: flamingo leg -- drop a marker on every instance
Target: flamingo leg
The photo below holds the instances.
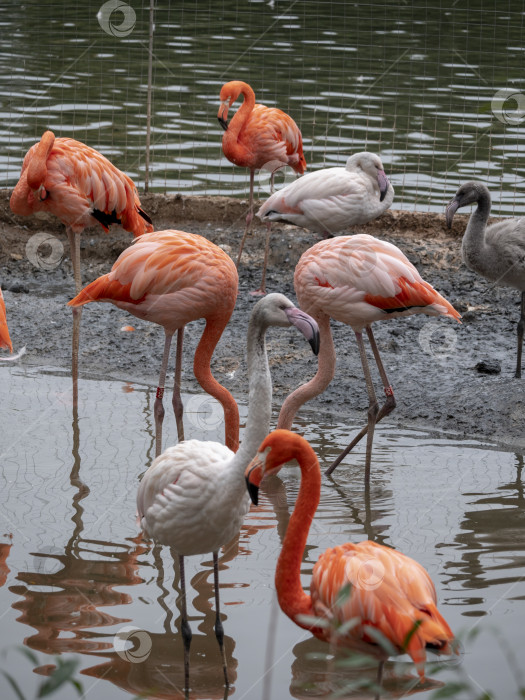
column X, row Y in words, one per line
column 184, row 625
column 373, row 407
column 176, row 399
column 219, row 629
column 158, row 407
column 249, row 218
column 262, row 288
column 521, row 326
column 385, row 409
column 74, row 246
column 379, row 679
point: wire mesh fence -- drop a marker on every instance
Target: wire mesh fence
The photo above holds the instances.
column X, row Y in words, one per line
column 437, row 89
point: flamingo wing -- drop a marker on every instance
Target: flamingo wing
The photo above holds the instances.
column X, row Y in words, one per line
column 387, row 591
column 360, row 279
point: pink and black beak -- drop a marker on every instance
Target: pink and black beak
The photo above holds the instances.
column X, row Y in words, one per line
column 383, row 183
column 254, row 474
column 451, row 209
column 222, row 116
column 306, row 325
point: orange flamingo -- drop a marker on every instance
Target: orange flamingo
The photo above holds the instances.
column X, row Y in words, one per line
column 82, row 188
column 172, row 278
column 357, row 590
column 357, row 280
column 258, row 137
column 5, row 340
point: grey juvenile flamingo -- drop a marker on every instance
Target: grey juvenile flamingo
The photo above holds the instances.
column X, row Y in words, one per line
column 497, row 252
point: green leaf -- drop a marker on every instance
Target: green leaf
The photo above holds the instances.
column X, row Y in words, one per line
column 450, row 690
column 347, row 626
column 343, row 595
column 13, row 684
column 29, row 654
column 312, row 621
column 62, row 674
column 380, row 639
column 406, row 640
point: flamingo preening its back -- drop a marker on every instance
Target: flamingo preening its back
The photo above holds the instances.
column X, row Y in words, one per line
column 357, row 280
column 332, row 199
column 81, row 187
column 172, row 278
column 258, row 137
column 497, row 252
column 375, row 587
column 193, row 497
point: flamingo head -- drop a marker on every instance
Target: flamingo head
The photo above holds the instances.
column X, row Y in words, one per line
column 229, row 93
column 276, row 449
column 37, row 168
column 371, row 164
column 277, row 310
column 469, row 193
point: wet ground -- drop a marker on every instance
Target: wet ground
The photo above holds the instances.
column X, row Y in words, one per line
column 431, row 362
column 74, row 574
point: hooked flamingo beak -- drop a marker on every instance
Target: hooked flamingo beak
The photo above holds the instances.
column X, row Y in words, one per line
column 383, row 183
column 253, row 475
column 222, row 116
column 306, row 325
column 451, row 209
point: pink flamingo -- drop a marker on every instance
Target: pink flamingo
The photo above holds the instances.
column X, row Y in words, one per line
column 82, row 188
column 357, row 280
column 258, row 137
column 5, row 340
column 172, row 278
column 332, row 199
column 358, row 590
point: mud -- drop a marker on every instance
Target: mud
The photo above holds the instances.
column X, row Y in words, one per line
column 431, row 362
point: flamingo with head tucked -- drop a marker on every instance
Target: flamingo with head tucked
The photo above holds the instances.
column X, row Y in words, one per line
column 332, row 199
column 172, row 278
column 356, row 590
column 77, row 184
column 258, row 137
column 193, row 497
column 357, row 280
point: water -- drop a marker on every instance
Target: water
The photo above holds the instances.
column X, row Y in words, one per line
column 413, row 82
column 75, row 573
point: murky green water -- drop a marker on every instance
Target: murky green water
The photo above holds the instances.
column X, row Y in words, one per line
column 413, row 82
column 75, row 573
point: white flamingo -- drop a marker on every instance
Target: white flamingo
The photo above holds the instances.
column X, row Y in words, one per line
column 332, row 199
column 193, row 496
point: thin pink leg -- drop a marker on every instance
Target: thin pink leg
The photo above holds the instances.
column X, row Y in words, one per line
column 385, row 409
column 249, row 218
column 176, row 399
column 74, row 245
column 158, row 407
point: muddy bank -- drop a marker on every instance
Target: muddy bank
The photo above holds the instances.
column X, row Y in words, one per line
column 431, row 363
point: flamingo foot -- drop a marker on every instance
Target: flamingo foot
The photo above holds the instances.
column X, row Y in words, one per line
column 258, row 293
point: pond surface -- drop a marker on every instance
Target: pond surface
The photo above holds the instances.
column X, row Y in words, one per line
column 74, row 571
column 414, row 82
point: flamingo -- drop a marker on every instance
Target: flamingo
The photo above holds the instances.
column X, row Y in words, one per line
column 172, row 278
column 5, row 340
column 258, row 137
column 496, row 252
column 81, row 187
column 332, row 199
column 357, row 280
column 193, row 497
column 363, row 589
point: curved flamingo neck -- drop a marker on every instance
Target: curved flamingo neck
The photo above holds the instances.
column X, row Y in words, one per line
column 202, row 370
column 292, row 598
column 231, row 135
column 316, row 385
column 474, row 245
column 37, row 168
